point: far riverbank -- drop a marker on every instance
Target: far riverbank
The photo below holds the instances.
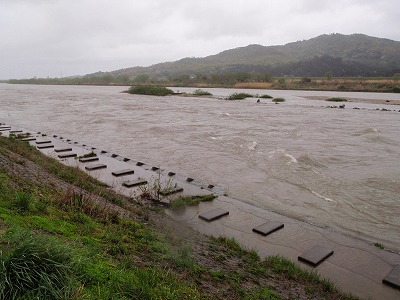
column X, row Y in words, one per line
column 351, row 84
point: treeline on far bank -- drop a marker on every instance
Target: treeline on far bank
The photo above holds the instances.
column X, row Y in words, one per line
column 234, row 80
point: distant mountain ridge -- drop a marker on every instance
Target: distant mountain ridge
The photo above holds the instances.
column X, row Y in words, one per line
column 337, row 54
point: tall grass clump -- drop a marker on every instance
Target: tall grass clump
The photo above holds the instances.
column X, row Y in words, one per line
column 276, row 100
column 150, row 90
column 266, row 96
column 240, row 96
column 36, row 268
column 22, row 202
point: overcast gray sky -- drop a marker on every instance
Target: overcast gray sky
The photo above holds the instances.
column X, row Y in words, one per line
column 75, row 37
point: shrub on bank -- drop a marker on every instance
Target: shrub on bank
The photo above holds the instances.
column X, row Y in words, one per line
column 150, row 90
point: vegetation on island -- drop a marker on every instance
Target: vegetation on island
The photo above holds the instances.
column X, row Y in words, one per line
column 149, row 89
column 336, row 99
column 239, row 96
column 266, row 96
column 276, row 100
column 64, row 235
column 200, row 92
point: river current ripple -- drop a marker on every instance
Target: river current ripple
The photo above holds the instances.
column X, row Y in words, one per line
column 337, row 168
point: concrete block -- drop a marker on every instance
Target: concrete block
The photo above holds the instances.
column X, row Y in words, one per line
column 214, row 214
column 88, row 159
column 67, row 155
column 315, row 255
column 134, row 183
column 268, row 228
column 45, row 146
column 393, row 278
column 63, row 149
column 96, row 167
column 123, row 172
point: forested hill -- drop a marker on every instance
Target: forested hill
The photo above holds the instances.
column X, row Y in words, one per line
column 336, row 54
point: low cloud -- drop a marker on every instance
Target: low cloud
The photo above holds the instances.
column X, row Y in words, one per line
column 53, row 37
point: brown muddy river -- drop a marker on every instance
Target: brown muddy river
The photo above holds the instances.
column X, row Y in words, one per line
column 338, row 168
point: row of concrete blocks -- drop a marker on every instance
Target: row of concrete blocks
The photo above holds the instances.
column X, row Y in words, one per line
column 313, row 256
column 47, row 144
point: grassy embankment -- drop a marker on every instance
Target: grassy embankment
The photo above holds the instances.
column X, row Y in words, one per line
column 64, row 235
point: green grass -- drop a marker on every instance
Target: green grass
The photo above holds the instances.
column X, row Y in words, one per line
column 150, row 90
column 37, row 267
column 336, row 99
column 240, row 96
column 181, row 202
column 379, row 245
column 41, row 264
column 262, row 293
column 22, row 201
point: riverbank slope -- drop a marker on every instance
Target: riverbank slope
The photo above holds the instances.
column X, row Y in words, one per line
column 111, row 246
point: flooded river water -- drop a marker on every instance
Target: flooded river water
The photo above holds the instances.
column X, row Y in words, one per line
column 338, row 168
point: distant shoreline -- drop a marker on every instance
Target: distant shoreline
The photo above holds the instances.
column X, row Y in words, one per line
column 358, row 100
column 339, row 84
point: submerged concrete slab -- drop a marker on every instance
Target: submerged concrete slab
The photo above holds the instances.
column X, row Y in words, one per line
column 315, row 255
column 214, row 214
column 139, row 163
column 168, row 192
column 43, row 142
column 5, row 129
column 67, row 155
column 16, row 131
column 63, row 149
column 28, row 139
column 95, row 167
column 268, row 228
column 45, row 146
column 134, row 183
column 393, row 278
column 88, row 159
column 123, row 172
